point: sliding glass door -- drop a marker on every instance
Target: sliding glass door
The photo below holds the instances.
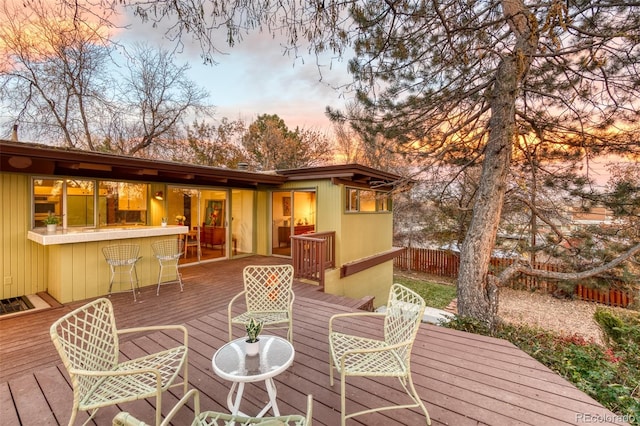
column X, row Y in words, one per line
column 292, row 213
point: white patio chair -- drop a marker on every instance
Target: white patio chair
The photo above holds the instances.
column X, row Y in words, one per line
column 123, row 258
column 87, row 340
column 168, row 253
column 268, row 293
column 359, row 356
column 214, row 418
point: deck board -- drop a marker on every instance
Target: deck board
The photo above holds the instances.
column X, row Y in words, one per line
column 464, row 379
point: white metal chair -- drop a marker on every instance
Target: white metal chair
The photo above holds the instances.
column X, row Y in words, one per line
column 353, row 355
column 168, row 253
column 123, row 258
column 268, row 293
column 214, row 418
column 88, row 343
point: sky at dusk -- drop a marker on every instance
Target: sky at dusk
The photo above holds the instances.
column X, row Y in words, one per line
column 255, row 77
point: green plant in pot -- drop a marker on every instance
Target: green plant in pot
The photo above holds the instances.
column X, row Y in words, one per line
column 51, row 221
column 254, row 328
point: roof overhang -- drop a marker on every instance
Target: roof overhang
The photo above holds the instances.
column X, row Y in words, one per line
column 36, row 159
column 350, row 175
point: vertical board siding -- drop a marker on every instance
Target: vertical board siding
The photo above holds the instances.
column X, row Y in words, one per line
column 22, row 263
column 446, row 264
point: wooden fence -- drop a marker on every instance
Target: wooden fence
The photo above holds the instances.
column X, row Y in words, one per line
column 446, row 264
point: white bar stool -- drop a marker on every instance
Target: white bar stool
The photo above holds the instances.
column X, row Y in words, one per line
column 123, row 258
column 168, row 253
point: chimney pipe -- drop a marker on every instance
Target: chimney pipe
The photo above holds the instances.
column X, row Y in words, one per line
column 14, row 133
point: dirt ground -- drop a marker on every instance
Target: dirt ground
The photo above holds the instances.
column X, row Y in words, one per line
column 563, row 316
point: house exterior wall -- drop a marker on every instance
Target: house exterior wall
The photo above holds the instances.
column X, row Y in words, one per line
column 23, row 263
column 67, row 272
column 78, row 271
column 358, row 235
column 263, row 204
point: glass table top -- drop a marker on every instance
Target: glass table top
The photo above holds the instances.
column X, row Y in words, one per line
column 231, row 361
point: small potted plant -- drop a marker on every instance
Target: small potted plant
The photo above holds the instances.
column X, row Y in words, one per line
column 181, row 219
column 252, row 344
column 164, row 221
column 51, row 221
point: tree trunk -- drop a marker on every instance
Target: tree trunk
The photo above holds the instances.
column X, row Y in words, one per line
column 477, row 291
column 478, row 296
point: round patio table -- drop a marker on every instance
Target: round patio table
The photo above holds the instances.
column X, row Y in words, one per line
column 232, row 363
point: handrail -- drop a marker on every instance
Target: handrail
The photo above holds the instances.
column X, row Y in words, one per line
column 312, row 254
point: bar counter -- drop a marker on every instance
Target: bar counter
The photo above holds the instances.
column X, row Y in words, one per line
column 75, row 267
column 85, row 235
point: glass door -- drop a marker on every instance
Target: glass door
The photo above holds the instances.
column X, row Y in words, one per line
column 184, row 208
column 293, row 213
column 242, row 222
column 213, row 227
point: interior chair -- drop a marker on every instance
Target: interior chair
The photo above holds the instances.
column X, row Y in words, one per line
column 353, row 355
column 191, row 242
column 123, row 258
column 268, row 294
column 214, row 418
column 87, row 340
column 168, row 253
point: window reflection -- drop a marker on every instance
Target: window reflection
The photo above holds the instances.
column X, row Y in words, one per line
column 366, row 200
column 47, row 197
column 122, row 203
column 75, row 201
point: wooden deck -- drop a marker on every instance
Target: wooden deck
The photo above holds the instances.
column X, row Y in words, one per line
column 464, row 379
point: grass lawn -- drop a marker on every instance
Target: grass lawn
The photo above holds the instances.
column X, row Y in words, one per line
column 435, row 295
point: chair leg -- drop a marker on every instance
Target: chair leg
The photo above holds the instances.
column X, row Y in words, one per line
column 330, row 370
column 135, row 272
column 414, row 395
column 132, row 270
column 343, row 404
column 159, row 279
column 113, row 275
column 74, row 413
column 161, row 274
column 179, row 277
column 158, row 408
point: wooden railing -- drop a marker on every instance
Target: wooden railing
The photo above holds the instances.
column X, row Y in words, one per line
column 312, row 254
column 446, row 264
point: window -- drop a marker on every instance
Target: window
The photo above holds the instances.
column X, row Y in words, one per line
column 79, row 204
column 47, row 198
column 367, row 200
column 123, row 203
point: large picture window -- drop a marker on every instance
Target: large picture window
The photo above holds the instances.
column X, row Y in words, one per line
column 89, row 203
column 367, row 200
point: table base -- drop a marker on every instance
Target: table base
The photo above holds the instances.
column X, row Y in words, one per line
column 234, row 403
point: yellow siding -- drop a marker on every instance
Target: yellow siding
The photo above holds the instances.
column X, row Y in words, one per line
column 263, row 203
column 358, row 235
column 79, row 271
column 23, row 263
column 370, row 282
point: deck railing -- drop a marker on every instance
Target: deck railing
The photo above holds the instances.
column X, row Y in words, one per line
column 312, row 254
